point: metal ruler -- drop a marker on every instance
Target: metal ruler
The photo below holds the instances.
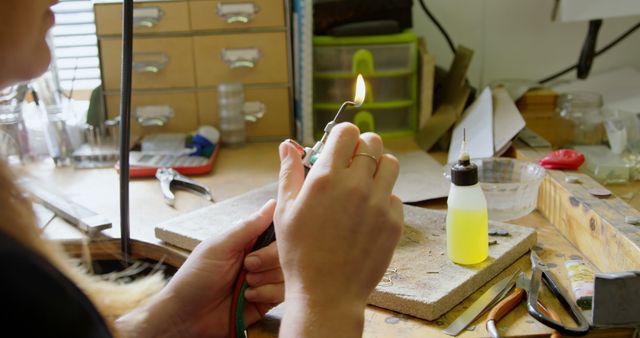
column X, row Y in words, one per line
column 78, row 215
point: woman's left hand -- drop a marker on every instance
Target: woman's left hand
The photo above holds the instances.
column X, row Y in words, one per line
column 197, row 300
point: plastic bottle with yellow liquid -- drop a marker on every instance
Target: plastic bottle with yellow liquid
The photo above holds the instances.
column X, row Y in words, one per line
column 467, row 217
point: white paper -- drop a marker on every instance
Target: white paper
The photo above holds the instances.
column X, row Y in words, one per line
column 507, row 120
column 583, row 10
column 478, row 122
column 421, row 178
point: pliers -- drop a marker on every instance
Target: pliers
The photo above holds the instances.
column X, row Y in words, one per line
column 531, row 288
column 169, row 178
column 510, row 302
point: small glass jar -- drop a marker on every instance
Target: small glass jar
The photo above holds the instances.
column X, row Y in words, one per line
column 583, row 110
column 233, row 127
column 57, row 136
column 14, row 141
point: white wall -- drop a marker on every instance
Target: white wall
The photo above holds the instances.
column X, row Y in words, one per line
column 517, row 39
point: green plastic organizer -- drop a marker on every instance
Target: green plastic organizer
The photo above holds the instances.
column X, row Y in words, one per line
column 389, row 64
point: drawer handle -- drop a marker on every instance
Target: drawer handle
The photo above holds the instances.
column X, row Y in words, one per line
column 149, row 62
column 241, row 58
column 237, row 12
column 147, row 17
column 154, row 116
column 253, row 110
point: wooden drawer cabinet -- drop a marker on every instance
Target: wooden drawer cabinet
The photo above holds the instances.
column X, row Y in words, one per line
column 276, row 122
column 183, row 49
column 206, row 15
column 183, row 104
column 247, row 58
column 164, row 62
column 149, row 17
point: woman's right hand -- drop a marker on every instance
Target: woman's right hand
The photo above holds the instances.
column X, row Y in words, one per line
column 336, row 232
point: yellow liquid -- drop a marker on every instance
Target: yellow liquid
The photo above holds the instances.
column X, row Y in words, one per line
column 467, row 236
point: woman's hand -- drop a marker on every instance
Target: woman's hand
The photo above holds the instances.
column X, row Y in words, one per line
column 336, row 232
column 197, row 300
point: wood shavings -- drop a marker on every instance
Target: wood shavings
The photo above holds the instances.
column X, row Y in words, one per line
column 389, row 276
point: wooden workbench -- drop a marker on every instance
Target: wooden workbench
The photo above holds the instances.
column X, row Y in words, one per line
column 243, row 169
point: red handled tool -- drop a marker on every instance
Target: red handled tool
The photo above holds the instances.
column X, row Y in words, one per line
column 563, row 159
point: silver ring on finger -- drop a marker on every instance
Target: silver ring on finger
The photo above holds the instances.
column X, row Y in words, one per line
column 375, row 159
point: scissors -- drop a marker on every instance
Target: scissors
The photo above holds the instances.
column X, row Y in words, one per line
column 531, row 289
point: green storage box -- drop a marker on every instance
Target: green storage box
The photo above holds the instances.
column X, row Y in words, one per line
column 389, row 64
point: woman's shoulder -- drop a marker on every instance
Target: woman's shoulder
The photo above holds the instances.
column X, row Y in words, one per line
column 39, row 301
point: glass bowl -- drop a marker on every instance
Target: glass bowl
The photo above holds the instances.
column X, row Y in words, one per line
column 510, row 186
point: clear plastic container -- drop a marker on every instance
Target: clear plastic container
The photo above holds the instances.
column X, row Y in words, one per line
column 57, row 136
column 583, row 109
column 604, row 165
column 14, row 143
column 387, row 57
column 393, row 88
column 233, row 129
column 509, row 185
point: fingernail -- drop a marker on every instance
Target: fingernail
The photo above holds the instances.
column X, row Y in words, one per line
column 284, row 151
column 250, row 294
column 252, row 262
column 266, row 205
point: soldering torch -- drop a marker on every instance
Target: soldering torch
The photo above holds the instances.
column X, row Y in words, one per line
column 309, row 156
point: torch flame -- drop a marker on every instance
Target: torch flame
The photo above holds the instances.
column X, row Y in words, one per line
column 360, row 91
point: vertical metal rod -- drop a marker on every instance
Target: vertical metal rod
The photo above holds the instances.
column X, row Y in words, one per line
column 125, row 126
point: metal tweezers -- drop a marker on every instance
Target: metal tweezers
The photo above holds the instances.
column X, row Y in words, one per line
column 169, row 178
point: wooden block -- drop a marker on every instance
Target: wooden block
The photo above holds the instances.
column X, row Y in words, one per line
column 425, row 284
column 186, row 231
column 596, row 226
column 538, row 97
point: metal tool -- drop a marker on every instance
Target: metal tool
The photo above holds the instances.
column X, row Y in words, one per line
column 511, row 301
column 486, row 301
column 169, row 178
column 78, row 215
column 540, row 272
column 311, row 153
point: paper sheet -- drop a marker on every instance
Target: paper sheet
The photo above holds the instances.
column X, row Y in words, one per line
column 583, row 10
column 478, row 122
column 507, row 120
column 421, row 178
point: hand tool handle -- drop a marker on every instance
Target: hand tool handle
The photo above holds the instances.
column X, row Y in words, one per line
column 265, row 238
column 165, row 187
column 502, row 308
column 236, row 322
column 506, row 305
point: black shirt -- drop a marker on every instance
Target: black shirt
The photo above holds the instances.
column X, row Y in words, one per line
column 37, row 300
